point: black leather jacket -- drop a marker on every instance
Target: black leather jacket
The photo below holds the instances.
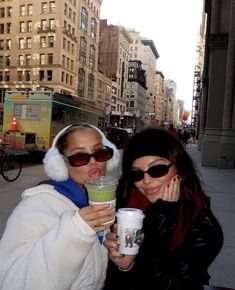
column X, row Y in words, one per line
column 155, row 267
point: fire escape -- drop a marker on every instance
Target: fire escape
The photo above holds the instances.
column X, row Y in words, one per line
column 196, row 99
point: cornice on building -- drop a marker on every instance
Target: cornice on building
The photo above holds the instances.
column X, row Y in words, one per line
column 126, row 34
column 160, row 73
column 150, row 43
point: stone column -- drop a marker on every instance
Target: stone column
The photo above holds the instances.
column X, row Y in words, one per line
column 230, row 72
column 226, row 156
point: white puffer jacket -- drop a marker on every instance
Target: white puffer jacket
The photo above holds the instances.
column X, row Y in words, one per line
column 48, row 246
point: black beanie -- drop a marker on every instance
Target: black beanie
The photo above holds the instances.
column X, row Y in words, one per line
column 152, row 141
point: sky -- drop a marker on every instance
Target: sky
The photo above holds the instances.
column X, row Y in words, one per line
column 173, row 25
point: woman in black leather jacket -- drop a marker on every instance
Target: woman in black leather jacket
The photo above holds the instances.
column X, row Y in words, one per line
column 181, row 236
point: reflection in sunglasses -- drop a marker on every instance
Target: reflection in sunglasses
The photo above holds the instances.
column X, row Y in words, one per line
column 154, row 171
column 81, row 159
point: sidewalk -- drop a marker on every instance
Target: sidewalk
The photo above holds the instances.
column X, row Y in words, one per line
column 219, row 184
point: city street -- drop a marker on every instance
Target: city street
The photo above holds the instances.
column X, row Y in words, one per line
column 219, row 184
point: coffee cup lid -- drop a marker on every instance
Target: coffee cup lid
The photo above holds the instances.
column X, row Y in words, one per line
column 130, row 213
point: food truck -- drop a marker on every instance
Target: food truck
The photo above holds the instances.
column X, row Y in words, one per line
column 32, row 118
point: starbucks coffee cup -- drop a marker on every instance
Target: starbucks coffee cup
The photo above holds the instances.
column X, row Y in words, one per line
column 129, row 228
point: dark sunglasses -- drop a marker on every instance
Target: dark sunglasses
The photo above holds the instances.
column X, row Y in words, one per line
column 81, row 159
column 154, row 171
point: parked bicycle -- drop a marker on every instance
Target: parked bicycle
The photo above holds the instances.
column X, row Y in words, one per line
column 10, row 166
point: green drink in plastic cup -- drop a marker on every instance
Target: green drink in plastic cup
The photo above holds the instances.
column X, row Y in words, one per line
column 102, row 190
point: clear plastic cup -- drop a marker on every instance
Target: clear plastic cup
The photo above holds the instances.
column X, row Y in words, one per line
column 102, row 190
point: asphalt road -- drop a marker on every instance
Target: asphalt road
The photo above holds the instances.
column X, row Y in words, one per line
column 10, row 192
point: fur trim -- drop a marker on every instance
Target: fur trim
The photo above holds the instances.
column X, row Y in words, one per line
column 55, row 166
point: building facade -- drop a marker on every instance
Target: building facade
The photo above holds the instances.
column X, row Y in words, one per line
column 217, row 116
column 160, row 100
column 144, row 50
column 113, row 62
column 50, row 45
column 136, row 95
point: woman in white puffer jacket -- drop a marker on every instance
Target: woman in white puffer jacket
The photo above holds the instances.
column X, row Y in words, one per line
column 50, row 241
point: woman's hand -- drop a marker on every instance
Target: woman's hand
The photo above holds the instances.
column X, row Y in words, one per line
column 172, row 190
column 99, row 217
column 111, row 243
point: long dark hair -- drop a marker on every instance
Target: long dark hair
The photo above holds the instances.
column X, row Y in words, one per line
column 158, row 141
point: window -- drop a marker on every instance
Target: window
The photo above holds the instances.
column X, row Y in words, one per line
column 42, row 41
column 93, row 28
column 51, row 41
column 8, row 28
column 82, row 50
column 22, row 10
column 52, row 23
column 84, row 17
column 52, row 6
column 70, row 13
column 1, row 77
column 21, row 43
column 2, row 12
column 65, row 9
column 42, row 58
column 92, row 57
column 68, row 61
column 1, row 28
column 81, row 82
column 43, row 24
column 9, row 11
column 8, row 60
column 64, row 43
column 7, row 76
column 28, row 59
column 1, row 61
column 49, row 75
column 50, row 58
column 44, row 7
column 63, row 60
column 72, row 49
column 29, row 42
column 69, row 28
column 1, row 44
column 74, row 17
column 22, row 26
column 68, row 46
column 30, row 9
column 62, row 77
column 41, row 75
column 20, row 76
column 27, row 75
column 20, row 60
column 65, row 25
column 29, row 26
column 90, row 86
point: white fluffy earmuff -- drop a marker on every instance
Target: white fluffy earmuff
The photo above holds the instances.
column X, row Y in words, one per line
column 55, row 167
